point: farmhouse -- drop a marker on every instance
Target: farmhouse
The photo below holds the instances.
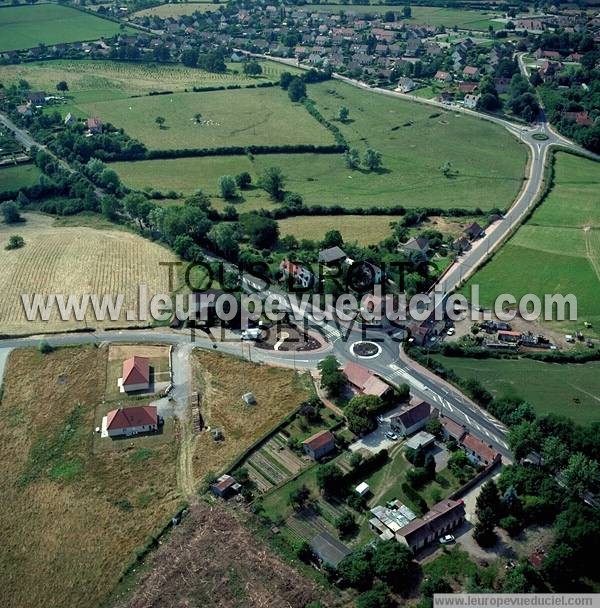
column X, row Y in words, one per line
column 319, row 445
column 443, row 517
column 94, row 125
column 451, row 429
column 478, row 451
column 413, row 418
column 364, row 380
column 131, row 421
column 473, row 231
column 419, row 244
column 136, row 374
column 406, row 85
column 331, row 255
column 471, row 101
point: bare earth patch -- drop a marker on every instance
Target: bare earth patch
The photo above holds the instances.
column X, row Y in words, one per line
column 212, row 559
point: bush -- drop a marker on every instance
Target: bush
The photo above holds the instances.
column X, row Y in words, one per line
column 46, row 348
column 15, row 242
column 10, row 212
column 511, row 524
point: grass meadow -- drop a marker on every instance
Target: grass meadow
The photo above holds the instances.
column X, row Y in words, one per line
column 221, row 381
column 18, row 176
column 229, row 118
column 177, row 10
column 571, row 390
column 422, row 15
column 557, row 251
column 72, row 518
column 23, row 27
column 415, row 142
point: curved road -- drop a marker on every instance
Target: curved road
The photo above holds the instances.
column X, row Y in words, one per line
column 391, row 364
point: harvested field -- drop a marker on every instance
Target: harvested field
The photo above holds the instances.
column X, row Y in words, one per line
column 213, row 560
column 176, row 10
column 71, row 519
column 221, row 381
column 75, row 261
column 91, row 80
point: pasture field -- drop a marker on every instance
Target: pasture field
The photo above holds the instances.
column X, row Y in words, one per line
column 18, row 176
column 365, row 230
column 74, row 260
column 421, row 15
column 23, row 27
column 221, row 381
column 569, row 389
column 177, row 10
column 557, row 251
column 228, row 118
column 91, row 81
column 72, row 519
column 415, row 142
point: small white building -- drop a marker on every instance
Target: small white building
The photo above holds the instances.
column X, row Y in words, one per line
column 471, row 101
column 362, row 489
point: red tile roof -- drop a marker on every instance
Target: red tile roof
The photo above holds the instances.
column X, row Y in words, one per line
column 482, row 449
column 452, row 428
column 136, row 370
column 125, row 418
column 364, row 379
column 319, row 440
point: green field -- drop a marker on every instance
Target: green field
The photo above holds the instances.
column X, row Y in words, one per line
column 19, row 176
column 421, row 15
column 368, row 230
column 229, row 118
column 549, row 387
column 490, row 168
column 23, row 27
column 176, row 10
column 558, row 250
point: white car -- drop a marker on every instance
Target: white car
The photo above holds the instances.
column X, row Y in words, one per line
column 451, row 331
column 391, row 436
column 446, row 540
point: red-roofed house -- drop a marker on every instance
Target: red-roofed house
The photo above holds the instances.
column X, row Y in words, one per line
column 319, row 445
column 364, row 380
column 451, row 429
column 478, row 451
column 132, row 421
column 470, row 71
column 136, row 374
column 442, row 76
column 581, row 118
column 94, row 125
column 413, row 418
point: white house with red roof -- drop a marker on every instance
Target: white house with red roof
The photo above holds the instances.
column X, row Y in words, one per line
column 125, row 422
column 136, row 375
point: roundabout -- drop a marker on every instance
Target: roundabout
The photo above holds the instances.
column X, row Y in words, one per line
column 364, row 349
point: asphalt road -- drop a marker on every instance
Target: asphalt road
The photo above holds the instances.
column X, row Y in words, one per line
column 389, row 364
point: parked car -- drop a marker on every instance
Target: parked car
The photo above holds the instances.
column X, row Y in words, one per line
column 391, row 436
column 451, row 331
column 446, row 540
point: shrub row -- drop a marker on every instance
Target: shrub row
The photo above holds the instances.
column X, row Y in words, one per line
column 340, row 140
column 239, row 150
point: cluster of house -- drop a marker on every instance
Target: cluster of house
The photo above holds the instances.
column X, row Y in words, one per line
column 396, row 520
column 135, row 420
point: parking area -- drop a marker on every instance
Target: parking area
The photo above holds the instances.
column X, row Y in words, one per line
column 376, row 441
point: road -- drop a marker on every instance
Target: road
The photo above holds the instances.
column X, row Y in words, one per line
column 391, row 364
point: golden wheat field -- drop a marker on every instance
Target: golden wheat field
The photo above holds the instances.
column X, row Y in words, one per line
column 75, row 260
